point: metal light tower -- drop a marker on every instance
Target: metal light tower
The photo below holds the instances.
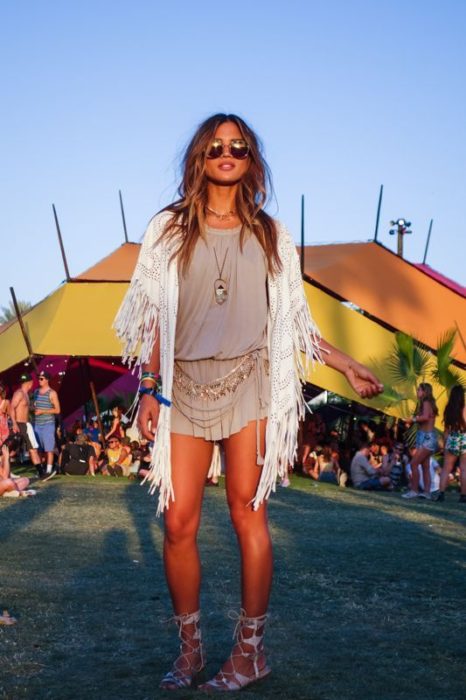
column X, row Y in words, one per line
column 402, row 229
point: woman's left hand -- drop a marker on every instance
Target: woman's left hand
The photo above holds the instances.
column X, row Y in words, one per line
column 363, row 381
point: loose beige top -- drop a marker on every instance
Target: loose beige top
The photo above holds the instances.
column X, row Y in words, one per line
column 206, row 329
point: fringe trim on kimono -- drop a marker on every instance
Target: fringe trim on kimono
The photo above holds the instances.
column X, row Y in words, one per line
column 136, row 325
column 282, row 429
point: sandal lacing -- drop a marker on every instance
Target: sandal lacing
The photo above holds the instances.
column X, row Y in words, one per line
column 250, row 648
column 183, row 671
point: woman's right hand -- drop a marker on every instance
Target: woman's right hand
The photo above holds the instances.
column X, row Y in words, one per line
column 148, row 416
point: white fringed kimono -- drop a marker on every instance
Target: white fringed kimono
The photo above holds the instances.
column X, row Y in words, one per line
column 150, row 306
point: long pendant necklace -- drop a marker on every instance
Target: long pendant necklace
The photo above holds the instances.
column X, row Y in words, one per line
column 219, row 215
column 220, row 286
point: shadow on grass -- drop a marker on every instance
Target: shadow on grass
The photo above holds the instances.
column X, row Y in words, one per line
column 18, row 514
column 360, row 587
column 366, row 602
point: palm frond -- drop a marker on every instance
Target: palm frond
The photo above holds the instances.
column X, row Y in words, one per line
column 448, row 377
column 444, row 348
column 389, row 397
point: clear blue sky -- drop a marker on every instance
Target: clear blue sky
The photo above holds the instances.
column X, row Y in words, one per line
column 100, row 96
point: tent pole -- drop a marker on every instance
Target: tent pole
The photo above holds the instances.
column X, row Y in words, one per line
column 94, row 397
column 83, row 384
column 23, row 329
column 377, row 219
column 428, row 241
column 62, row 248
column 123, row 217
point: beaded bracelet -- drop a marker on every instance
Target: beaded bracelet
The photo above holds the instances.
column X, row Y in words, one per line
column 152, row 377
column 153, row 392
column 149, row 375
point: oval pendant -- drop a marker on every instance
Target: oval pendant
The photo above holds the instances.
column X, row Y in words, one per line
column 220, row 291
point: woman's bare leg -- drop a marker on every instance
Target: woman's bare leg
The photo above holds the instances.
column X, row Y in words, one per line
column 190, row 459
column 190, row 463
column 426, row 475
column 419, row 456
column 251, row 527
column 463, row 474
column 13, row 485
column 449, row 460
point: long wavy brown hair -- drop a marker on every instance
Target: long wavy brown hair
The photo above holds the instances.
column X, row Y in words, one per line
column 453, row 416
column 188, row 222
column 428, row 396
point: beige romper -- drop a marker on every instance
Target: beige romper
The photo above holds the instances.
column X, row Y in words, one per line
column 221, row 378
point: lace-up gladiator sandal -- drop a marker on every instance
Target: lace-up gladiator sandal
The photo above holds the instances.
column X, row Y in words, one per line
column 190, row 661
column 247, row 653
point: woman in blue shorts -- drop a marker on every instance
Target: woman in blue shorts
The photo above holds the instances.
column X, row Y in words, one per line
column 426, row 441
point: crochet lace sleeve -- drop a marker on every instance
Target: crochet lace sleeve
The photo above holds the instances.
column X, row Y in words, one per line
column 306, row 330
column 136, row 323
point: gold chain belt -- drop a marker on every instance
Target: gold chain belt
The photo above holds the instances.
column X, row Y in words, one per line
column 219, row 387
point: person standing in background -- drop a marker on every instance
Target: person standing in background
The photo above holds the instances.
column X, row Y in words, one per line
column 46, row 407
column 19, row 414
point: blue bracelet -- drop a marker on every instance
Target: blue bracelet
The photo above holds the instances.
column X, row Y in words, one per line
column 152, row 392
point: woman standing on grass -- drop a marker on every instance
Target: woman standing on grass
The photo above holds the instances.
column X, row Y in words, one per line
column 454, row 419
column 426, row 441
column 217, row 313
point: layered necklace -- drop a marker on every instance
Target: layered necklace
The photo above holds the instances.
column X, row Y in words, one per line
column 221, row 215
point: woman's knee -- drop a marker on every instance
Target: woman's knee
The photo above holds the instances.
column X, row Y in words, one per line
column 245, row 520
column 180, row 527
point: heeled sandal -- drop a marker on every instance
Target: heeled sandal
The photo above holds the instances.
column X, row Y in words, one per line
column 183, row 674
column 251, row 648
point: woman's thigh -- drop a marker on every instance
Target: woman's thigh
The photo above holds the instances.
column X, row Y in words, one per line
column 190, row 461
column 242, row 473
column 420, row 456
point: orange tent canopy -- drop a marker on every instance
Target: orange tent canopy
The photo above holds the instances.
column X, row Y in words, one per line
column 389, row 289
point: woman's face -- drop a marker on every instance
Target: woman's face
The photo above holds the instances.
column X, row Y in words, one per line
column 226, row 170
column 420, row 392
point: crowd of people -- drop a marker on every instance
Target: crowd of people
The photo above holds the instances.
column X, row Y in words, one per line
column 379, row 457
column 375, row 456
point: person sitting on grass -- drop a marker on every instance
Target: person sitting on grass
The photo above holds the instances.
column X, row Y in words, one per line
column 326, row 467
column 118, row 458
column 141, row 457
column 78, row 457
column 366, row 477
column 93, row 433
column 8, row 486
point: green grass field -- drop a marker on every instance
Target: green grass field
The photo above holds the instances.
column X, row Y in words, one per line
column 368, row 599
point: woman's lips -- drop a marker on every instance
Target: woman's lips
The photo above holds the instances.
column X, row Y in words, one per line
column 226, row 166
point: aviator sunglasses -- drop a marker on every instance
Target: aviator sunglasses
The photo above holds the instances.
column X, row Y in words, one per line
column 238, row 148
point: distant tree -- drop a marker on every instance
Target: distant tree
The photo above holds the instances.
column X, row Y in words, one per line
column 8, row 312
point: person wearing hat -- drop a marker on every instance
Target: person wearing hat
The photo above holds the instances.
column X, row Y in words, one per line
column 46, row 407
column 19, row 413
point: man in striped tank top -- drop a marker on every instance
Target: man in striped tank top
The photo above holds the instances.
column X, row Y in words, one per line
column 46, row 407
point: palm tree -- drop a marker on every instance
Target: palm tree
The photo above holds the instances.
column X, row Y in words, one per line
column 9, row 312
column 409, row 363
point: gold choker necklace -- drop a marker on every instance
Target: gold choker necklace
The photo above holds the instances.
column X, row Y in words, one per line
column 225, row 215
